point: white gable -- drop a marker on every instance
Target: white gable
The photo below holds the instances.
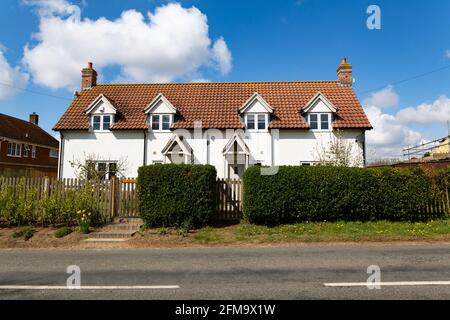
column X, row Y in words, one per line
column 256, row 104
column 319, row 103
column 256, row 107
column 160, row 105
column 319, row 106
column 101, row 105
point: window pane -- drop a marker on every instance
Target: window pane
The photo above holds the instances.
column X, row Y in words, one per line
column 33, row 151
column 165, row 122
column 251, row 121
column 106, row 122
column 96, row 123
column 261, row 121
column 324, row 121
column 313, row 121
column 155, row 122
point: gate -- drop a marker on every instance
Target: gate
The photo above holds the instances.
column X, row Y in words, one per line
column 229, row 199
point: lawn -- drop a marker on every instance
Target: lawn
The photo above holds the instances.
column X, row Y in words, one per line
column 328, row 231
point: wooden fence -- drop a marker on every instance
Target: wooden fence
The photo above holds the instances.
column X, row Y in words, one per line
column 118, row 197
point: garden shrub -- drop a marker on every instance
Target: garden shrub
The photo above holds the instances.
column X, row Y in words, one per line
column 172, row 195
column 62, row 232
column 321, row 193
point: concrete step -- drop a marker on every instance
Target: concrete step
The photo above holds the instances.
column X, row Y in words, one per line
column 122, row 226
column 112, row 234
column 128, row 220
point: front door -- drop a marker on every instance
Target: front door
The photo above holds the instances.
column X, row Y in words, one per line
column 236, row 171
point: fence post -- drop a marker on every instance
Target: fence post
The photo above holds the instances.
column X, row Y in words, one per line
column 113, row 197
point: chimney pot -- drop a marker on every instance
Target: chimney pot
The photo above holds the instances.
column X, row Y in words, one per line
column 34, row 118
column 344, row 73
column 88, row 77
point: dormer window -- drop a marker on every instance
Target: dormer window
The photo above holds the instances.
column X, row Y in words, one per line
column 319, row 112
column 255, row 113
column 101, row 122
column 161, row 113
column 319, row 121
column 161, row 122
column 102, row 111
column 256, row 122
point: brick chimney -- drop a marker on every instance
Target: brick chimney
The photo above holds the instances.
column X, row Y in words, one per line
column 34, row 118
column 88, row 77
column 344, row 73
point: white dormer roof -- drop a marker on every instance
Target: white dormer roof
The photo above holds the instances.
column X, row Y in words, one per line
column 319, row 101
column 102, row 104
column 256, row 101
column 236, row 138
column 160, row 105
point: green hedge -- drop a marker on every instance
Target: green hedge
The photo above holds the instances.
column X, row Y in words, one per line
column 176, row 194
column 321, row 193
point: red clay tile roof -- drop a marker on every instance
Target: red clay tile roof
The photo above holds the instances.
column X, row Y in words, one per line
column 25, row 131
column 217, row 104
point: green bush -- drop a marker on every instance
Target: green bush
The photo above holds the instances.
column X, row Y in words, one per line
column 321, row 193
column 62, row 232
column 171, row 195
column 25, row 233
column 20, row 206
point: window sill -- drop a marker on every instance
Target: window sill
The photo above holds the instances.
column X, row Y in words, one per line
column 12, row 156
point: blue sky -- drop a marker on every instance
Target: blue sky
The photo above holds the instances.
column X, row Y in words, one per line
column 266, row 40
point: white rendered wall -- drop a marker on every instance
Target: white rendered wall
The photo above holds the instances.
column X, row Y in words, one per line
column 126, row 146
column 275, row 147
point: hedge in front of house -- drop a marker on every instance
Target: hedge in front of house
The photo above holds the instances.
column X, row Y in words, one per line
column 176, row 194
column 321, row 193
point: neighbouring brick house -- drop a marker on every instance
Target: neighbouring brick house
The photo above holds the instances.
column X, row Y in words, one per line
column 26, row 149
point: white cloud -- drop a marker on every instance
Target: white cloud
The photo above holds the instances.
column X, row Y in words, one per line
column 426, row 113
column 222, row 56
column 384, row 98
column 11, row 79
column 46, row 8
column 170, row 43
column 389, row 136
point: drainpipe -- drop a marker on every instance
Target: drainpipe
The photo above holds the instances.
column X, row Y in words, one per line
column 145, row 148
column 61, row 155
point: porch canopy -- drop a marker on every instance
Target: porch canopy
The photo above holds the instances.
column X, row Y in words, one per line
column 236, row 151
column 177, row 150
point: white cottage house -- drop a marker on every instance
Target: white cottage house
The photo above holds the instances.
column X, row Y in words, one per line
column 228, row 125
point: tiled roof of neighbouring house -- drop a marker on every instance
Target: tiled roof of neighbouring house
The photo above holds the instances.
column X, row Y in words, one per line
column 25, row 131
column 217, row 104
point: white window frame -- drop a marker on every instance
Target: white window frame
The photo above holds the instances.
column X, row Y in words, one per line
column 33, row 152
column 26, row 150
column 107, row 163
column 256, row 116
column 160, row 121
column 111, row 122
column 13, row 153
column 56, row 155
column 319, row 122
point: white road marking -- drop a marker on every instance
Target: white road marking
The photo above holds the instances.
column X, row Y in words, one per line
column 395, row 283
column 44, row 287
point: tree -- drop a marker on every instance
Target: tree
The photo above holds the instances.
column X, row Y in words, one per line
column 90, row 169
column 338, row 152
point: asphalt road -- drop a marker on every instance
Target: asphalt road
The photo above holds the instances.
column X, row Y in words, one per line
column 294, row 272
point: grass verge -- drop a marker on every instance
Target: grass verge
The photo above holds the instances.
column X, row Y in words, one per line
column 328, row 231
